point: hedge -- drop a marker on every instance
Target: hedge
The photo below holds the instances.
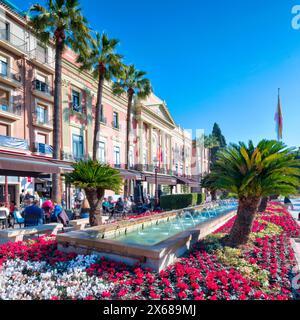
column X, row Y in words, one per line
column 180, row 201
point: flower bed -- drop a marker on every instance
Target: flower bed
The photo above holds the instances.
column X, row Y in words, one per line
column 262, row 270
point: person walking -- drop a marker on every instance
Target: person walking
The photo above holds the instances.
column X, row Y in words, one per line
column 4, row 215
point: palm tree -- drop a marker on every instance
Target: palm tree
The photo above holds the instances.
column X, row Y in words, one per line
column 62, row 23
column 94, row 177
column 132, row 82
column 102, row 60
column 252, row 173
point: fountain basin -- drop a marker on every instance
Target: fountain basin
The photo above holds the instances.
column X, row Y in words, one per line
column 103, row 240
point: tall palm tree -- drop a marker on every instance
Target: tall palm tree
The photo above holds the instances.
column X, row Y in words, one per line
column 60, row 22
column 104, row 63
column 133, row 83
column 94, row 177
column 253, row 173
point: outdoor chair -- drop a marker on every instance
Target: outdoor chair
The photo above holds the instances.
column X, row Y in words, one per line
column 18, row 218
column 3, row 219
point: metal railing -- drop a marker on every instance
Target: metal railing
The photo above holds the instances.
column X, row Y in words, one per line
column 10, row 107
column 42, row 87
column 43, row 148
column 10, row 74
column 15, row 143
column 42, row 57
column 14, row 40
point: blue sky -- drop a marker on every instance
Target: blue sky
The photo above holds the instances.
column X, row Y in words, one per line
column 212, row 61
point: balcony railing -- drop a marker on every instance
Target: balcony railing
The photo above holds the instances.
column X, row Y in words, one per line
column 15, row 143
column 14, row 40
column 10, row 74
column 42, row 57
column 10, row 107
column 76, row 107
column 72, row 157
column 42, row 87
column 43, row 148
column 117, row 165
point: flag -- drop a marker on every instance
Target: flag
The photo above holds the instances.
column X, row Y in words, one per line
column 278, row 118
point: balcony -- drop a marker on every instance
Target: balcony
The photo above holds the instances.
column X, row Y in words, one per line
column 117, row 165
column 10, row 110
column 10, row 77
column 42, row 90
column 43, row 148
column 13, row 43
column 13, row 143
column 41, row 59
column 72, row 157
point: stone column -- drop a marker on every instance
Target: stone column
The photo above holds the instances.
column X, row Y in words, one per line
column 150, row 155
column 141, row 142
column 170, row 154
column 163, row 149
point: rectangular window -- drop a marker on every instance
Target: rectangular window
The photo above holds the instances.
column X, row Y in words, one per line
column 4, row 129
column 3, row 66
column 77, row 146
column 76, row 101
column 4, row 30
column 41, row 84
column 41, row 53
column 117, row 159
column 116, row 120
column 4, row 100
column 41, row 114
column 41, row 138
column 102, row 156
column 131, row 161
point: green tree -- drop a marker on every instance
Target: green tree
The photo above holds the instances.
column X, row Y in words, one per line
column 253, row 173
column 105, row 64
column 62, row 23
column 133, row 83
column 94, row 177
column 217, row 134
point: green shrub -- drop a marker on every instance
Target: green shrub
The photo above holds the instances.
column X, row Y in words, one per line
column 180, row 201
column 200, row 198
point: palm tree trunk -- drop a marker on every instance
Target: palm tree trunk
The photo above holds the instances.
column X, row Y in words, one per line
column 56, row 192
column 263, row 204
column 94, row 198
column 98, row 111
column 130, row 93
column 242, row 227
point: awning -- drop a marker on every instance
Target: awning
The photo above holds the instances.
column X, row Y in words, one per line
column 130, row 174
column 161, row 179
column 188, row 182
column 23, row 165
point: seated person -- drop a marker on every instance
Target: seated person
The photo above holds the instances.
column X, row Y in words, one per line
column 119, row 207
column 108, row 205
column 33, row 214
column 127, row 205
